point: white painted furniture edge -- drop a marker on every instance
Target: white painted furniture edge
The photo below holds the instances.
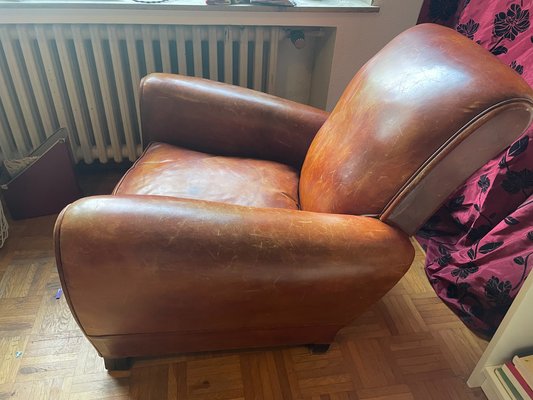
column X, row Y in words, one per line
column 514, row 335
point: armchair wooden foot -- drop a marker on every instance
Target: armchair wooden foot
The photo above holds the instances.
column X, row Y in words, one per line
column 118, row 364
column 321, row 348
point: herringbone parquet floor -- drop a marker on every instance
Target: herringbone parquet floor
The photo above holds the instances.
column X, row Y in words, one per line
column 408, row 346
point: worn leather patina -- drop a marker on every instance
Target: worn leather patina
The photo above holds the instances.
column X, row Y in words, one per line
column 217, row 238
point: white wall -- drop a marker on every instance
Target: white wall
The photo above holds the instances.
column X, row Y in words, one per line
column 356, row 35
column 360, row 36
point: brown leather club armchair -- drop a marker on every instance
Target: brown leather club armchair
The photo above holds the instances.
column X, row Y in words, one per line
column 241, row 226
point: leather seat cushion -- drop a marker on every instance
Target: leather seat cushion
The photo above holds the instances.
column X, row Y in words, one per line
column 166, row 170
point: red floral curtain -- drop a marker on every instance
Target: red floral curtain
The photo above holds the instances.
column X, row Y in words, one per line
column 479, row 244
column 442, row 12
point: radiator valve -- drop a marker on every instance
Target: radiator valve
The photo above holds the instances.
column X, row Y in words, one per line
column 298, row 38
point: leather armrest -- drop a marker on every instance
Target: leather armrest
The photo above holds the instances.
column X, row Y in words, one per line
column 223, row 119
column 181, row 256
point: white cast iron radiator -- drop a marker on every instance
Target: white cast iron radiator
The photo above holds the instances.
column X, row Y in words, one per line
column 85, row 78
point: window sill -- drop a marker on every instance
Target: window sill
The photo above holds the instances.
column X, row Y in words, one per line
column 192, row 5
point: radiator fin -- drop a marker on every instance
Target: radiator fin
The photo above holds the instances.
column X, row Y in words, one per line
column 86, row 77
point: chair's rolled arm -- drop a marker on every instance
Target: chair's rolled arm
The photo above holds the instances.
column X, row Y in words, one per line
column 222, row 119
column 146, row 264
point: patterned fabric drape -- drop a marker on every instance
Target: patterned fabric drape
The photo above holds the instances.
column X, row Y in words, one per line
column 442, row 12
column 480, row 243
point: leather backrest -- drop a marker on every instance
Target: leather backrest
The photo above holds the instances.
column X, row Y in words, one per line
column 419, row 118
